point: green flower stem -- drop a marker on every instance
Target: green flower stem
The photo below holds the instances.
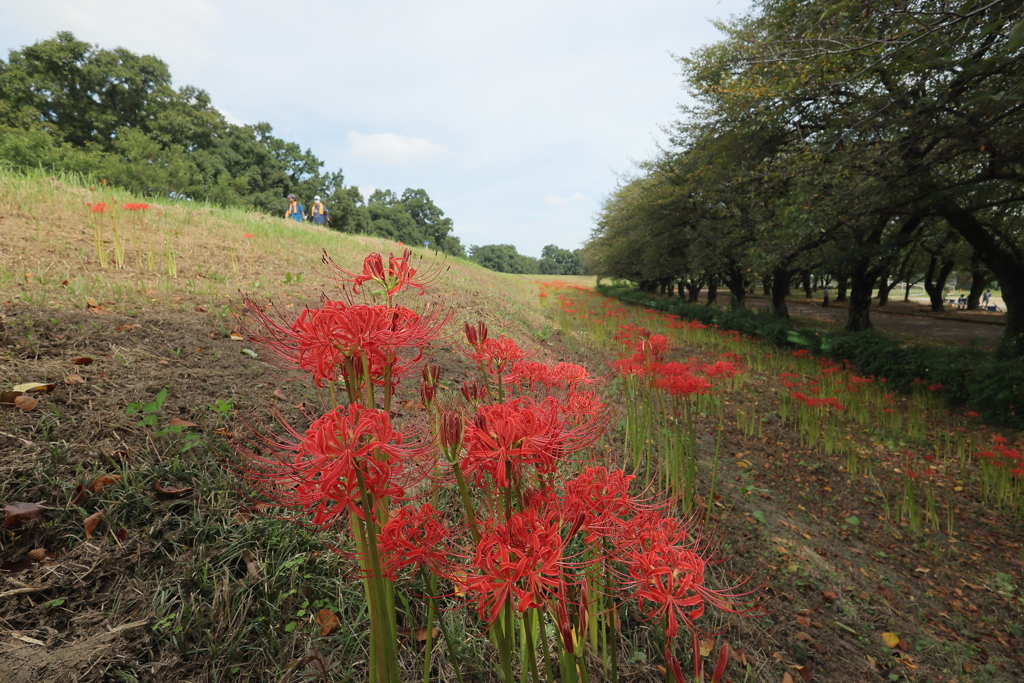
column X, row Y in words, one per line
column 431, row 581
column 542, row 621
column 531, row 655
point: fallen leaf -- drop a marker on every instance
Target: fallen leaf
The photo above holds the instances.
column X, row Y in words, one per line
column 128, row 328
column 251, row 565
column 236, row 337
column 279, row 395
column 328, row 621
column 93, row 521
column 420, row 634
column 84, row 360
column 804, row 637
column 38, row 554
column 804, row 671
column 175, row 422
column 410, row 405
column 891, row 639
column 16, row 567
column 787, row 678
column 26, row 403
column 828, row 597
column 922, row 570
column 7, row 397
column 16, row 513
column 706, row 646
column 74, row 379
column 80, row 495
column 103, row 481
column 93, row 307
column 32, row 386
column 171, row 491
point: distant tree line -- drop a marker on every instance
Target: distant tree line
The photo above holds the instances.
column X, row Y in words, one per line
column 67, row 105
column 856, row 143
column 504, row 258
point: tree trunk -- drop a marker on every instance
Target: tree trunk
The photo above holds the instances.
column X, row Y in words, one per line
column 805, row 281
column 737, row 283
column 842, row 284
column 979, row 281
column 884, row 287
column 648, row 285
column 1006, row 261
column 935, row 281
column 712, row 290
column 861, row 284
column 766, row 284
column 779, row 291
column 693, row 287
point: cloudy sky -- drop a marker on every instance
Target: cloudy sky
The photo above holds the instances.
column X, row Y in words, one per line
column 517, row 118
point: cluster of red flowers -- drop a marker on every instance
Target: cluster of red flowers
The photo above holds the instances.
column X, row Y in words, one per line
column 98, row 207
column 1003, row 457
column 135, row 207
column 510, row 543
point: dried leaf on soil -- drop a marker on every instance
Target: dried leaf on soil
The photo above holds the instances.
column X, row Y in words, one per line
column 328, row 621
column 251, row 565
column 805, row 672
column 7, row 397
column 891, row 639
column 83, row 360
column 236, row 337
column 92, row 521
column 103, row 481
column 80, row 495
column 34, row 387
column 706, row 646
column 128, row 328
column 171, row 491
column 16, row 566
column 787, row 678
column 175, row 422
column 804, row 637
column 420, row 634
column 17, row 513
column 278, row 394
column 38, row 554
column 26, row 403
column 74, row 379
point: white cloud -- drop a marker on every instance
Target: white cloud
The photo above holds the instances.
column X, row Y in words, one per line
column 390, row 148
column 554, row 200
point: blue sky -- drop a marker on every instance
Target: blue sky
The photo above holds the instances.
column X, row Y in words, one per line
column 517, row 118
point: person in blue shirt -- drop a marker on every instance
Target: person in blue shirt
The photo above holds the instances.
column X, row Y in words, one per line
column 295, row 211
column 319, row 212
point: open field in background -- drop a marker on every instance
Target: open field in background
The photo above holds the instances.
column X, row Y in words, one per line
column 195, row 585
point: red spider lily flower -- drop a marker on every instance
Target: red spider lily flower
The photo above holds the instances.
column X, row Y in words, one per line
column 653, row 347
column 673, row 666
column 451, row 434
column 934, row 387
column 722, row 664
column 414, row 537
column 521, row 560
column 98, row 207
column 720, row 368
column 972, row 414
column 530, row 373
column 668, row 584
column 320, row 340
column 476, row 335
column 801, row 353
column 600, row 498
column 473, row 392
column 998, row 439
column 248, row 235
column 493, row 355
column 682, row 385
column 504, row 439
column 319, row 474
column 398, row 275
column 136, row 207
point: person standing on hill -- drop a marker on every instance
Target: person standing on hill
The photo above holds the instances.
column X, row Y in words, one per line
column 319, row 212
column 295, row 211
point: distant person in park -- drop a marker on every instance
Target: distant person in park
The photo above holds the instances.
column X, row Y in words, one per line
column 824, row 301
column 319, row 212
column 295, row 210
column 986, row 297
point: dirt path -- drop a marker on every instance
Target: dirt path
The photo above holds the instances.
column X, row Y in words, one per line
column 944, row 329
